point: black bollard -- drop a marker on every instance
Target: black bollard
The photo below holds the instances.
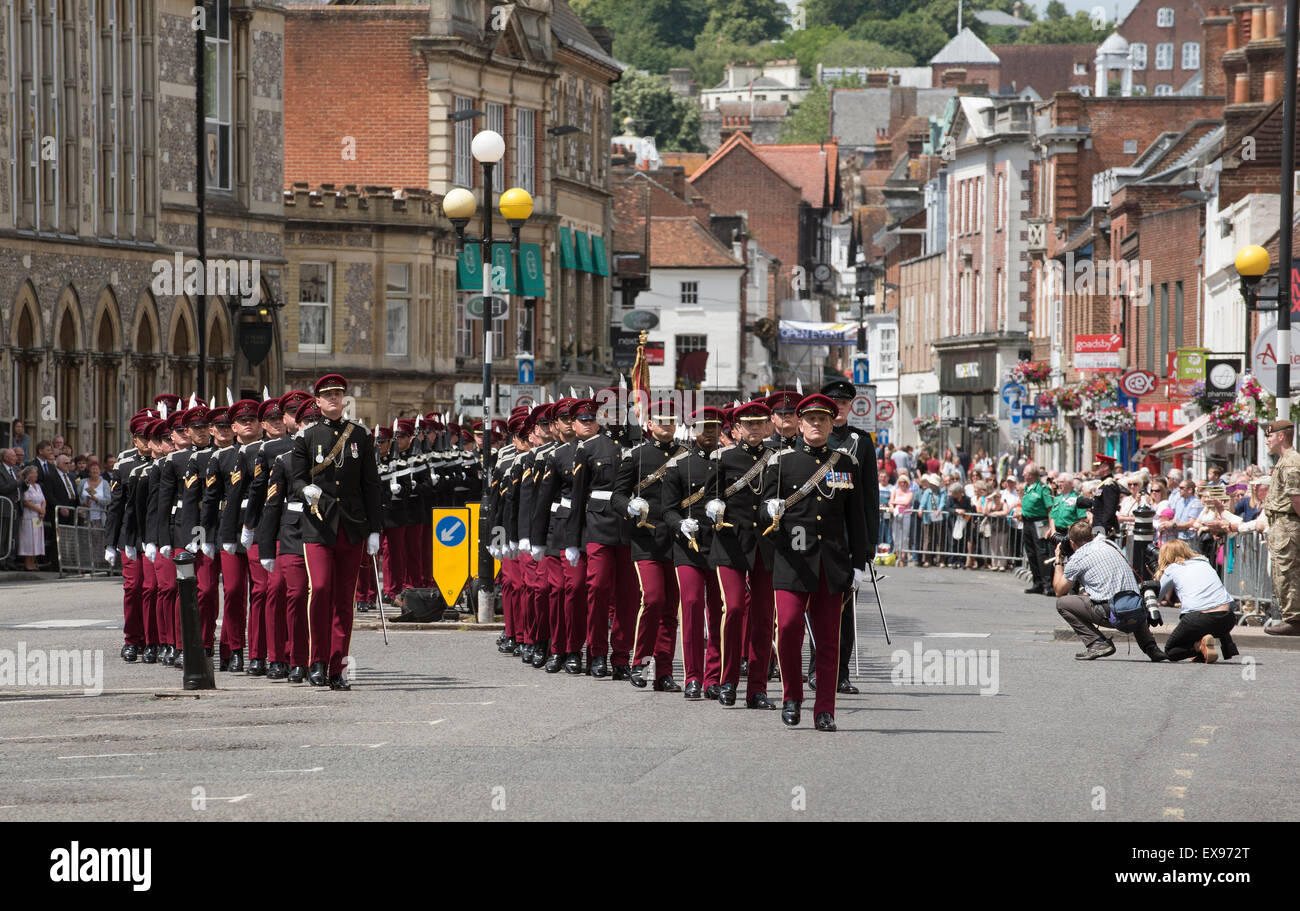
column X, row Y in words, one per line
column 1144, row 532
column 198, row 666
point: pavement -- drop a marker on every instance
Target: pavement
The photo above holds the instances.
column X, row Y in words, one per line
column 439, row 726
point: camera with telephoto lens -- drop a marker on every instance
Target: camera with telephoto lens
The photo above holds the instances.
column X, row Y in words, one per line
column 1061, row 539
column 1151, row 597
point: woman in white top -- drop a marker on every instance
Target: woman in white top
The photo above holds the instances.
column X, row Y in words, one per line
column 900, row 507
column 1205, row 605
column 93, row 493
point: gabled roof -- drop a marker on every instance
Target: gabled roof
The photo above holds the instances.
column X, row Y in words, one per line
column 743, row 141
column 809, row 166
column 569, row 30
column 683, row 243
column 965, row 48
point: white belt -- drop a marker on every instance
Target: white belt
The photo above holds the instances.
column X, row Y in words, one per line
column 564, row 501
column 293, row 506
column 601, row 494
column 243, row 504
column 174, row 508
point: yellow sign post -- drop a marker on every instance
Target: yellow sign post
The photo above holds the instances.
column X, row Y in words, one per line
column 453, row 554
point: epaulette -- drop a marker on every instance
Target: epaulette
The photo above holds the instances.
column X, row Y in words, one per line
column 777, row 453
column 716, row 455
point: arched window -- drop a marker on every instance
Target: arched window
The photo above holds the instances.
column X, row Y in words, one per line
column 67, row 382
column 146, row 361
column 106, row 373
column 27, row 362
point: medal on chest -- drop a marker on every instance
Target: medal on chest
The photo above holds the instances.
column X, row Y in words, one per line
column 319, row 455
column 354, row 451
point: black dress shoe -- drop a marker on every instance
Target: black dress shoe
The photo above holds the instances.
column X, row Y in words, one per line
column 620, row 672
column 727, row 694
column 224, row 664
column 846, row 687
column 296, row 674
column 317, row 676
column 257, row 667
column 130, row 653
column 339, row 682
column 692, row 689
column 150, row 654
column 277, row 671
column 539, row 657
column 237, row 662
column 666, row 684
column 825, row 721
column 1034, row 590
column 759, row 701
column 166, row 655
column 178, row 660
column 573, row 663
column 790, row 712
column 553, row 663
column 634, row 677
column 599, row 667
column 518, row 649
column 712, row 691
column 526, row 654
column 507, row 647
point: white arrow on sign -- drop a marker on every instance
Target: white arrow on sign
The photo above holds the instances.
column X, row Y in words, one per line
column 447, row 534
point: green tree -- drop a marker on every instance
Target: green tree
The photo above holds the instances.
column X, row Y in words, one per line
column 811, row 120
column 847, row 51
column 673, row 122
column 806, row 45
column 1076, row 29
column 647, row 33
column 746, row 21
column 916, row 33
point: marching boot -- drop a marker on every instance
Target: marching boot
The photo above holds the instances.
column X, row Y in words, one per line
column 317, row 676
column 727, row 694
column 825, row 721
column 518, row 649
column 507, row 647
column 339, row 682
column 150, row 654
column 573, row 663
column 167, row 655
column 539, row 655
column 712, row 691
column 845, row 686
column 622, row 672
column 525, row 653
column 598, row 667
column 296, row 674
column 790, row 712
column 692, row 690
column 666, row 684
column 178, row 661
column 257, row 667
column 759, row 701
column 129, row 650
column 237, row 661
column 553, row 663
column 277, row 671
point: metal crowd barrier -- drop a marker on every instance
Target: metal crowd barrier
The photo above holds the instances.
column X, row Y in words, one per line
column 80, row 543
column 8, row 529
column 947, row 538
column 1247, row 574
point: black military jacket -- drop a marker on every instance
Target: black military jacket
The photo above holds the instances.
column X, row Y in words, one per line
column 826, row 531
column 642, row 462
column 735, row 547
column 164, row 506
column 136, row 507
column 262, row 460
column 349, row 483
column 531, row 470
column 863, row 448
column 595, row 472
column 115, row 524
column 555, row 524
column 279, row 528
column 693, row 472
column 223, row 465
column 191, row 500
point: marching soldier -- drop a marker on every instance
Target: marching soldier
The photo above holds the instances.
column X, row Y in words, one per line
column 187, row 530
column 223, row 492
column 821, row 551
column 691, row 481
column 639, row 492
column 611, row 585
column 335, row 474
column 525, row 624
column 1105, row 502
column 742, row 556
column 162, row 509
column 275, row 424
column 133, row 622
column 544, row 637
column 785, row 422
column 233, row 525
column 557, row 534
column 494, row 508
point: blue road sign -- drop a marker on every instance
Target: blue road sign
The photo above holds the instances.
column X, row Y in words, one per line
column 450, row 531
column 526, row 372
column 861, row 371
column 1028, row 412
column 1012, row 390
column 882, row 437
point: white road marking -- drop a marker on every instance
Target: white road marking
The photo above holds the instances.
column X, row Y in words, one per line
column 437, row 721
column 81, row 778
column 64, row 624
column 105, row 755
column 489, row 702
column 231, row 799
column 319, row 768
column 367, row 746
column 956, row 636
column 273, row 708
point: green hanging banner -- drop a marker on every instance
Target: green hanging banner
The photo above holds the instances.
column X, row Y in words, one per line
column 566, row 250
column 469, row 274
column 598, row 253
column 583, row 244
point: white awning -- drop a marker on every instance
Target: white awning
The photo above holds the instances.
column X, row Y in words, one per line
column 1182, row 436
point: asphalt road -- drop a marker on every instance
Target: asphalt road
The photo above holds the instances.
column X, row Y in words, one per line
column 439, row 726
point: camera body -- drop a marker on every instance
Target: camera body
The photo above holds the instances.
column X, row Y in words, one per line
column 1151, row 597
column 1062, row 539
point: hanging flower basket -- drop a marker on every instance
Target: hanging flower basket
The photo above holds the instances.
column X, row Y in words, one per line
column 1110, row 422
column 927, row 425
column 1235, row 417
column 1044, row 432
column 1099, row 389
column 1066, row 398
column 1034, row 372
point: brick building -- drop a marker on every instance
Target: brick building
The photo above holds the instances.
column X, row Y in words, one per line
column 1165, row 42
column 97, row 198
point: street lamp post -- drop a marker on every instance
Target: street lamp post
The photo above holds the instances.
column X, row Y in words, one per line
column 1252, row 262
column 459, row 206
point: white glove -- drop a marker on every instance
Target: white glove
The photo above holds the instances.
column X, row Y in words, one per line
column 209, row 550
column 512, row 549
column 395, row 487
column 150, row 552
column 434, row 479
column 689, row 527
column 860, row 577
column 110, row 555
column 246, row 537
column 372, row 544
column 228, row 548
column 165, row 550
column 311, row 493
column 494, row 551
column 537, row 552
column 192, row 547
column 774, row 508
column 714, row 508
column 637, row 506
column 131, row 553
column 268, row 565
column 571, row 554
column 525, row 545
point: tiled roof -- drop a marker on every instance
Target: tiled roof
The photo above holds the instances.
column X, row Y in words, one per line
column 736, row 139
column 688, row 161
column 809, row 166
column 857, row 113
column 683, row 243
column 746, row 109
column 568, row 28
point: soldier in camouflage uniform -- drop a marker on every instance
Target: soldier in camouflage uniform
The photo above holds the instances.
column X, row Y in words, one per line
column 1281, row 506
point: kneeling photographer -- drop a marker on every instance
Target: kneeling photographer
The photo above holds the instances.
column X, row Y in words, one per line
column 1206, row 607
column 1099, row 566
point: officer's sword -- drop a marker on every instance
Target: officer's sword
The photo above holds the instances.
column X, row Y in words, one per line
column 379, row 596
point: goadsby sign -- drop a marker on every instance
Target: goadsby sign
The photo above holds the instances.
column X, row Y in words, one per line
column 1097, row 352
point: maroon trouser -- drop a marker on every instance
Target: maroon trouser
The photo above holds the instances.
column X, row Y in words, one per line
column 510, row 596
column 206, row 572
column 575, row 602
column 426, row 555
column 166, row 603
column 553, row 572
column 293, row 570
column 394, row 561
column 612, row 600
column 332, row 574
column 413, row 540
column 234, row 582
column 148, row 601
column 525, row 619
column 132, row 602
column 823, row 609
column 366, row 591
column 277, row 625
column 701, row 599
column 256, row 606
column 747, row 611
column 656, row 624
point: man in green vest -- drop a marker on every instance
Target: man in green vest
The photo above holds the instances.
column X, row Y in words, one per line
column 1035, row 505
